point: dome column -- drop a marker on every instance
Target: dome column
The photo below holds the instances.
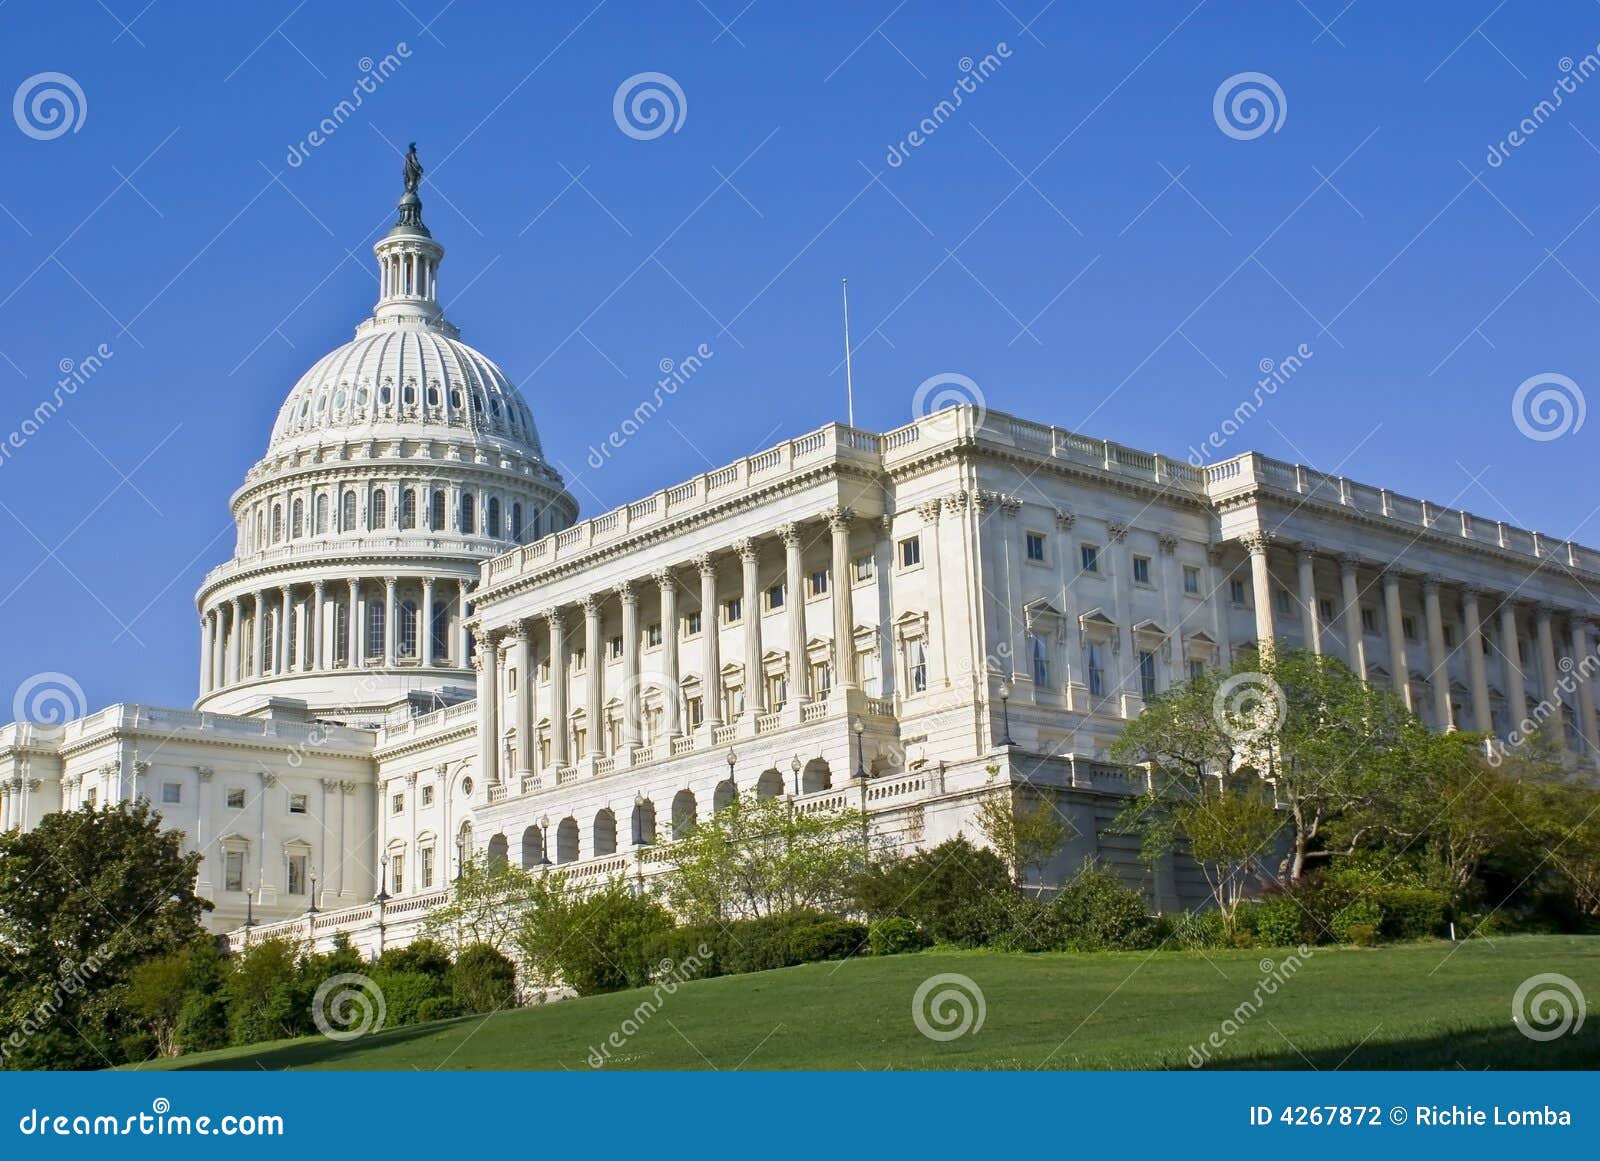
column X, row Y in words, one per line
column 463, row 651
column 426, row 616
column 352, row 625
column 205, row 653
column 258, row 654
column 318, row 594
column 389, row 585
column 236, row 642
column 285, row 631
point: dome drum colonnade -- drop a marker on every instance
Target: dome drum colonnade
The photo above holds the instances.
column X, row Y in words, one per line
column 398, row 463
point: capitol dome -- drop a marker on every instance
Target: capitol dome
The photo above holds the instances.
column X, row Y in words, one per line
column 398, row 464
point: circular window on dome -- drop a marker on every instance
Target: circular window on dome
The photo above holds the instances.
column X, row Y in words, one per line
column 339, row 399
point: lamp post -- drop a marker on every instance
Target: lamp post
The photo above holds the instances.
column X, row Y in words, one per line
column 311, row 907
column 544, row 840
column 382, row 896
column 732, row 758
column 461, row 854
column 1005, row 711
column 795, row 766
column 638, row 820
column 249, row 907
column 859, row 727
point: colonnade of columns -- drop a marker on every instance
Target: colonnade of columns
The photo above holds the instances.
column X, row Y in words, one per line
column 330, row 624
column 507, row 707
column 1522, row 639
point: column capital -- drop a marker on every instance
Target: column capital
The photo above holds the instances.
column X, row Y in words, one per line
column 1065, row 518
column 664, row 578
column 790, row 535
column 1116, row 531
column 955, row 501
column 1543, row 612
column 519, row 634
column 205, row 773
column 556, row 619
column 591, row 605
column 1257, row 542
column 1305, row 550
column 706, row 563
column 1432, row 582
column 840, row 518
column 746, row 549
column 929, row 511
column 628, row 592
column 1167, row 543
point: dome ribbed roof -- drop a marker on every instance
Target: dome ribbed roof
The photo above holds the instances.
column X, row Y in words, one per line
column 406, row 373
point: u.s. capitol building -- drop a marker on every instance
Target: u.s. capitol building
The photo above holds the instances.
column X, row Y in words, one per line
column 417, row 653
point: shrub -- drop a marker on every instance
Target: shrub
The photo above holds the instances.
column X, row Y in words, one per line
column 956, row 892
column 482, row 980
column 1362, row 934
column 896, row 936
column 827, row 939
column 595, row 942
column 1197, row 930
column 439, row 1008
column 404, row 993
column 1275, row 921
column 1410, row 912
column 1095, row 912
column 758, row 945
column 690, row 952
column 1360, row 913
column 428, row 957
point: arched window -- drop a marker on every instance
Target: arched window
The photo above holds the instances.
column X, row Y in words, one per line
column 408, row 629
column 375, row 611
column 322, row 514
column 469, row 521
column 436, row 512
column 380, row 509
column 440, row 627
column 408, row 508
column 297, row 519
column 347, row 515
column 491, row 524
column 605, row 832
column 516, row 522
column 567, row 840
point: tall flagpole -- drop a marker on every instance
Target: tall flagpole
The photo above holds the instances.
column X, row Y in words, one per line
column 849, row 384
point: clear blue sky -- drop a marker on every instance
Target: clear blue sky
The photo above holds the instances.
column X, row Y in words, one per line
column 1080, row 238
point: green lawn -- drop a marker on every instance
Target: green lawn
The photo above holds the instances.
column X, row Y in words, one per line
column 1433, row 1005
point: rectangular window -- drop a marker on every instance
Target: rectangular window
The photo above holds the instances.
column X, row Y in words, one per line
column 297, row 804
column 819, row 583
column 1369, row 620
column 1449, row 636
column 580, row 660
column 616, row 647
column 1089, row 558
column 92, row 796
column 1325, row 610
column 425, row 867
column 580, row 743
column 1408, row 628
column 777, row 691
column 1197, row 669
column 733, row 610
column 652, row 636
column 1097, row 671
column 864, row 567
column 233, row 871
column 911, row 552
column 1236, row 590
column 917, row 666
column 1147, row 674
column 544, row 671
column 1035, row 543
column 297, row 875
column 691, row 624
column 397, row 804
column 511, row 679
column 1141, row 570
column 1041, row 662
column 821, row 679
column 1191, row 580
column 427, row 796
column 775, row 596
column 544, row 753
column 235, row 798
column 1285, row 603
column 695, row 710
column 397, row 873
column 171, row 793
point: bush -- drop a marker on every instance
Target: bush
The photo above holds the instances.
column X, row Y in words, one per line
column 1361, row 913
column 439, row 1008
column 594, row 942
column 1410, row 912
column 1198, row 930
column 1362, row 934
column 427, row 957
column 1095, row 912
column 896, row 936
column 1276, row 921
column 690, row 952
column 482, row 980
column 827, row 939
column 759, row 945
column 956, row 892
column 404, row 994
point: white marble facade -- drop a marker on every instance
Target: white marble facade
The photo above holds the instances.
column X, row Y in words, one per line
column 887, row 620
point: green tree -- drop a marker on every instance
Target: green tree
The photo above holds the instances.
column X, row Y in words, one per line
column 759, row 857
column 85, row 897
column 593, row 941
column 1022, row 824
column 487, row 902
column 264, row 996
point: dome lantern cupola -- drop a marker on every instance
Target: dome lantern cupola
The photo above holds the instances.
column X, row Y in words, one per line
column 408, row 260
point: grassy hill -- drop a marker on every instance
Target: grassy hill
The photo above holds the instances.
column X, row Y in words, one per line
column 1434, row 1005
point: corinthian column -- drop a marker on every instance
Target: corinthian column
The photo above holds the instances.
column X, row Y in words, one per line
column 1482, row 714
column 1394, row 629
column 595, row 676
column 558, row 688
column 754, row 681
column 844, row 633
column 487, row 663
column 711, row 642
column 352, row 625
column 1258, row 545
column 1355, row 646
column 1439, row 672
column 1311, row 625
column 426, row 627
column 1582, row 654
column 630, row 667
column 795, row 599
column 236, row 642
column 522, row 662
column 1550, row 691
column 672, row 694
column 285, row 631
column 258, row 651
column 1516, row 692
column 390, row 608
column 318, row 595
